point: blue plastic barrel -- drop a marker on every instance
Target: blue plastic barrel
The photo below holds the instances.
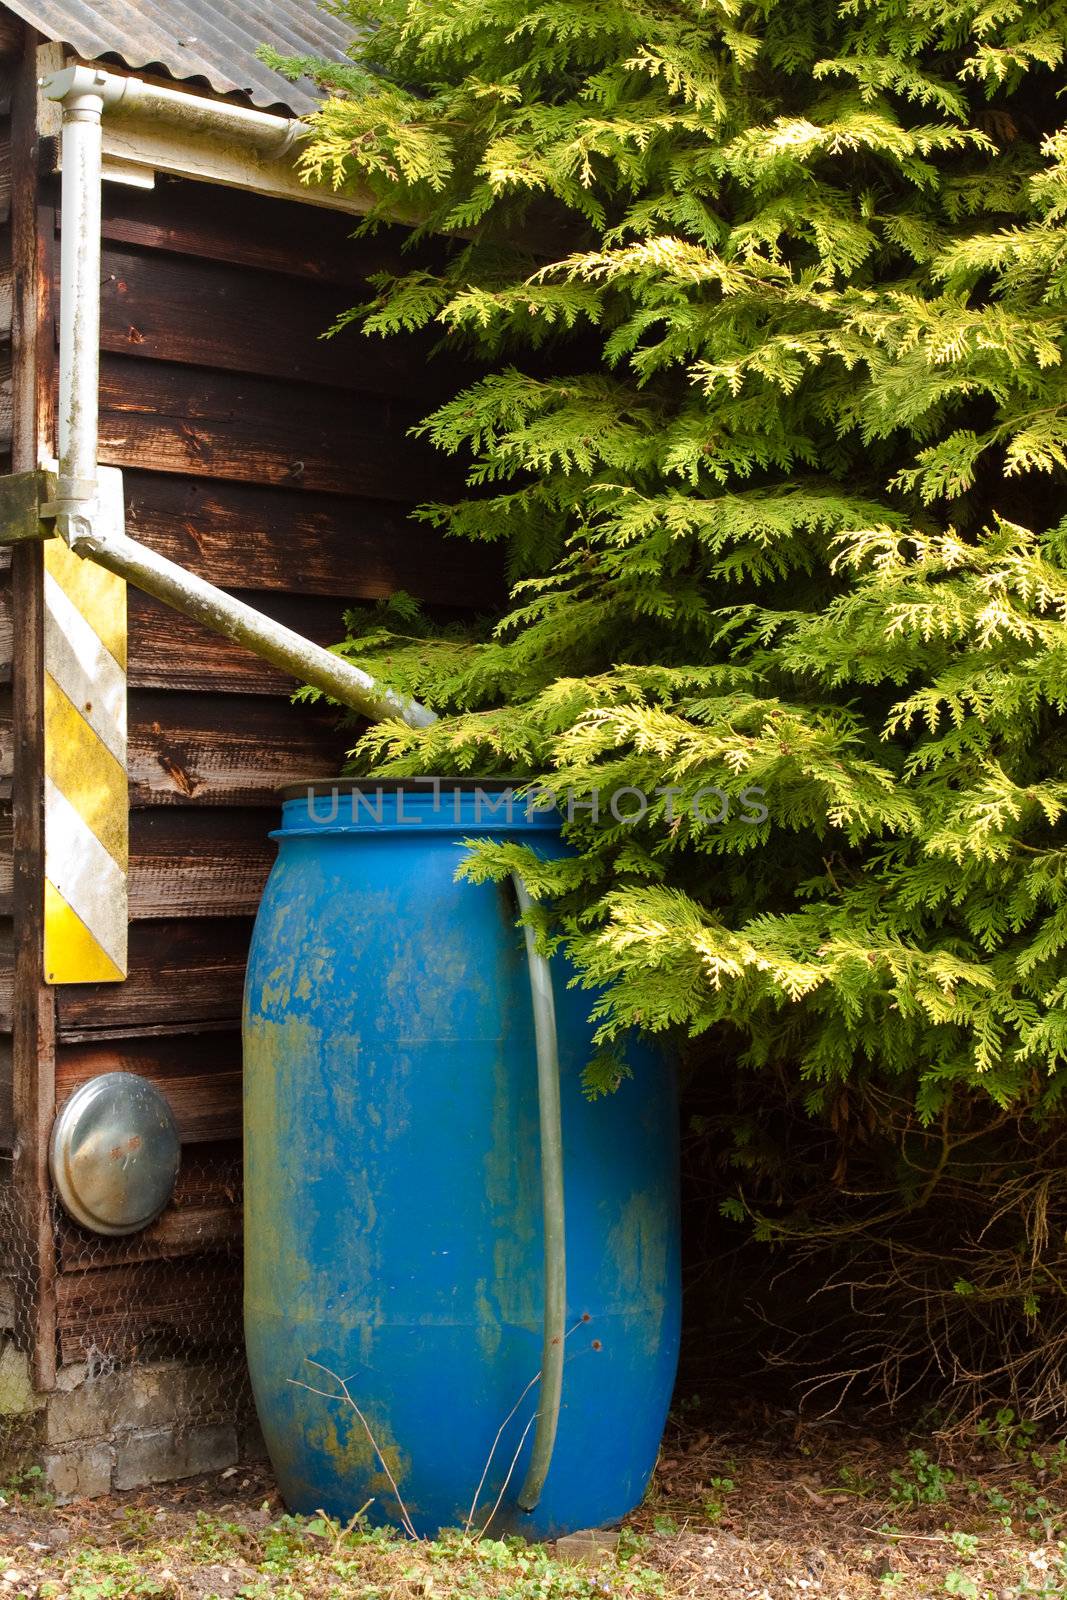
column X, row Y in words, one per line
column 393, row 1232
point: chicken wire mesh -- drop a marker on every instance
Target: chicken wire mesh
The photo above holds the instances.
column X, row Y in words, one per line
column 148, row 1337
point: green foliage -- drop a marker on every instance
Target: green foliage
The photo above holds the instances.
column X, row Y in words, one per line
column 924, row 1483
column 715, row 1504
column 294, row 1557
column 25, row 1483
column 771, row 297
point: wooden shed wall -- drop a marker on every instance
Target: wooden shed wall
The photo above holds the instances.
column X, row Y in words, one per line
column 276, row 465
column 8, row 70
column 26, row 1008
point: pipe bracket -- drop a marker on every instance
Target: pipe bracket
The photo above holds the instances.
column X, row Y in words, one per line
column 27, row 506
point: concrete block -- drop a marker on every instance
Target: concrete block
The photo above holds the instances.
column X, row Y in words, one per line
column 157, row 1395
column 68, row 1378
column 165, row 1392
column 87, row 1411
column 132, row 1425
column 157, row 1455
column 17, row 1397
column 74, row 1474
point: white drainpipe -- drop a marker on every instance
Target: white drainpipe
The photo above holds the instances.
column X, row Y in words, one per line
column 85, row 94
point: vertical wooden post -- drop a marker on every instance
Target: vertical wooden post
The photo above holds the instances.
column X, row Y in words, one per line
column 33, row 1020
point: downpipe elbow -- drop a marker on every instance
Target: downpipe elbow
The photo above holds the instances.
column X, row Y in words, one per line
column 76, row 525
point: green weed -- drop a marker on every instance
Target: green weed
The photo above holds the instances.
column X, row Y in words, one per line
column 715, row 1504
column 27, row 1483
column 924, row 1483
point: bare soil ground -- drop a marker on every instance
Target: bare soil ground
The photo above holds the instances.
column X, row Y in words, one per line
column 760, row 1506
column 780, row 1509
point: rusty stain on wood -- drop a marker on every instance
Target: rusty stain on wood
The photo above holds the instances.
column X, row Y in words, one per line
column 182, row 781
column 226, row 750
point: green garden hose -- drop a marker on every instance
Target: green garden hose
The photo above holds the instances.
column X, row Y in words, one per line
column 548, row 1095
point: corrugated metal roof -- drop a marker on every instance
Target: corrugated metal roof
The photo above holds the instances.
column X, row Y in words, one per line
column 215, row 40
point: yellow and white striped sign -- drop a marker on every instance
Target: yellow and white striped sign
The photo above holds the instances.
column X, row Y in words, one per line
column 86, row 804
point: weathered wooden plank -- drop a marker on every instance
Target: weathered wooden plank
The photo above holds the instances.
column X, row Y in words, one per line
column 7, row 712
column 177, row 1305
column 5, row 171
column 6, row 861
column 198, row 863
column 12, row 34
column 241, row 536
column 203, row 1216
column 178, row 972
column 8, row 992
column 170, row 651
column 6, row 396
column 258, row 430
column 213, row 224
column 7, row 287
column 7, row 972
column 9, row 1236
column 188, row 1231
column 172, row 1027
column 187, row 749
column 211, row 1175
column 201, row 1077
column 14, row 47
column 163, row 307
column 7, row 1117
column 6, row 630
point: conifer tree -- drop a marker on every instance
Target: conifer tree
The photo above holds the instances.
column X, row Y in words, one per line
column 770, row 296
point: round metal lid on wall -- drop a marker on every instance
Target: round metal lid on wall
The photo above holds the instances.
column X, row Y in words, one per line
column 114, row 1153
